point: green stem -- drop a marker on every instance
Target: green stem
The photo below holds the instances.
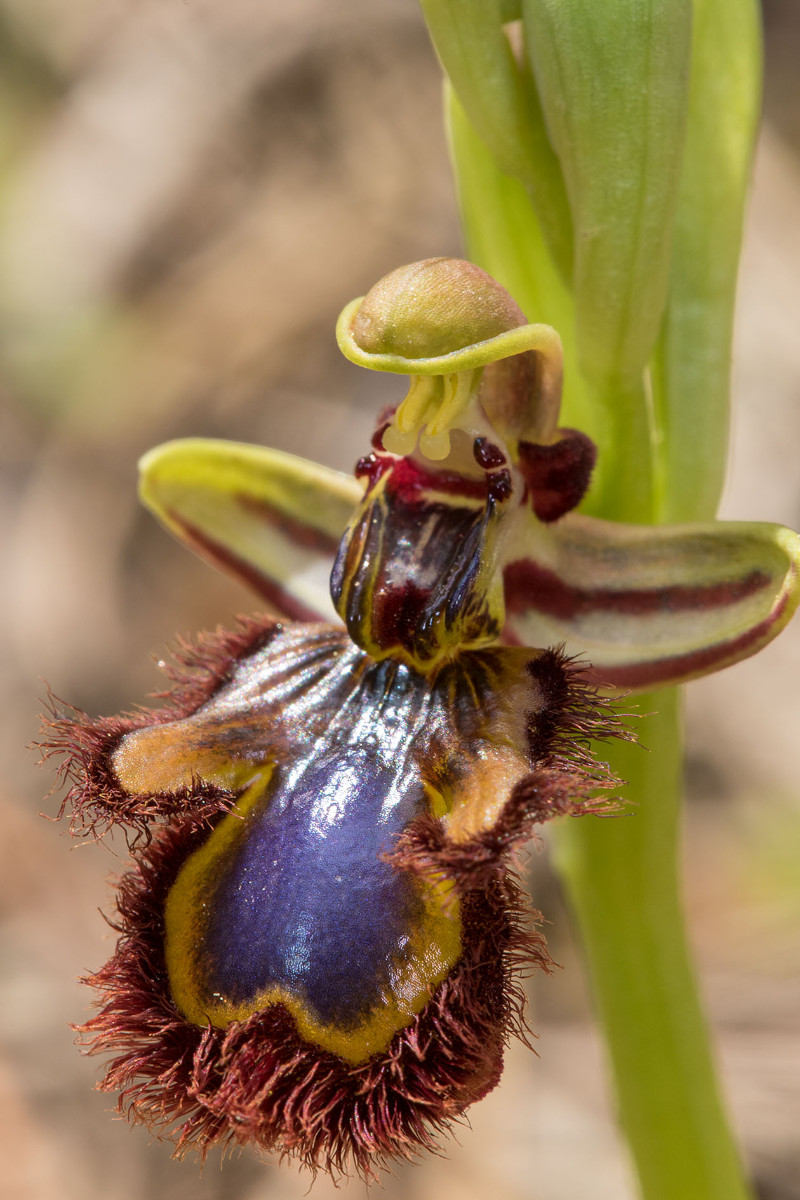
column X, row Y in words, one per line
column 623, row 881
column 621, row 873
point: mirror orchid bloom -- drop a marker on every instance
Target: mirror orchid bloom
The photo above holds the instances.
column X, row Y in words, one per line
column 321, row 932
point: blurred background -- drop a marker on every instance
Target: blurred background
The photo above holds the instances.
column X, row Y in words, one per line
column 189, row 193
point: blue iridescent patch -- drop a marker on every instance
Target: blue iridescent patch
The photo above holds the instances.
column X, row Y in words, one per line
column 302, row 899
column 291, row 900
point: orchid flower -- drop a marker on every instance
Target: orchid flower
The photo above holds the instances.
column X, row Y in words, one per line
column 321, row 933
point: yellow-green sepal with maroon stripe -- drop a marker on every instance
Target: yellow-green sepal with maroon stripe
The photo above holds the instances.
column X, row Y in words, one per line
column 270, row 519
column 649, row 605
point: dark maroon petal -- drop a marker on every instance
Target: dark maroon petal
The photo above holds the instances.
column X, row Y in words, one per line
column 557, row 475
column 414, row 576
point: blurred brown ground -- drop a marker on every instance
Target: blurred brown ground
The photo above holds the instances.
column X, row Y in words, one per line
column 190, row 191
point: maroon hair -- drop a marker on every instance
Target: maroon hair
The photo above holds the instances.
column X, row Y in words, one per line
column 258, row 1082
column 86, row 744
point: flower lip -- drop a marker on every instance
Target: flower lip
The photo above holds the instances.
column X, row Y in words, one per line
column 358, row 1095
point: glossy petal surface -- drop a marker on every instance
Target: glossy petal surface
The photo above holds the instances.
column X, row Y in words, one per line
column 417, row 571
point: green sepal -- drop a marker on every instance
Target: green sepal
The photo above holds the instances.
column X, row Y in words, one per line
column 691, row 374
column 650, row 605
column 500, row 96
column 613, row 81
column 271, row 520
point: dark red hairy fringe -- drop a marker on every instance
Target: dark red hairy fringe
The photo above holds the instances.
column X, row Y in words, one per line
column 424, row 848
column 259, row 1083
column 86, row 744
column 574, row 714
column 566, row 780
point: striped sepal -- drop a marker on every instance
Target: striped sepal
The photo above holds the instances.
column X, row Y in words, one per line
column 272, row 520
column 650, row 605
